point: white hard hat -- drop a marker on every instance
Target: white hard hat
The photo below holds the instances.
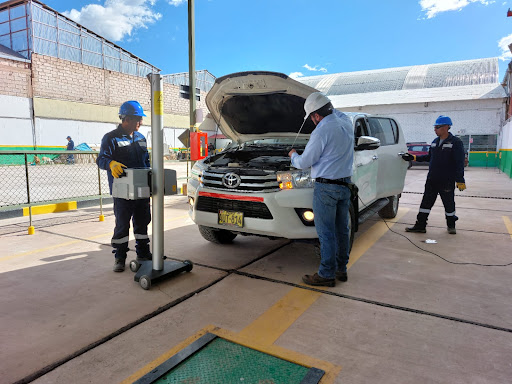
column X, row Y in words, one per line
column 314, row 102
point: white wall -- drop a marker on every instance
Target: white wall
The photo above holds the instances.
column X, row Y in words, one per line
column 15, row 120
column 505, row 136
column 470, row 117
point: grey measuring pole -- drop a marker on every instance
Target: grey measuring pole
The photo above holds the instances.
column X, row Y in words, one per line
column 157, row 166
column 191, row 65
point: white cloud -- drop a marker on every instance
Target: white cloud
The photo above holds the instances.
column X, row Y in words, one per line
column 296, row 75
column 177, row 3
column 117, row 18
column 315, row 68
column 503, row 44
column 433, row 7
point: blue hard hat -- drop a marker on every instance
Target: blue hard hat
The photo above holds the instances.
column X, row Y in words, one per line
column 443, row 120
column 131, row 108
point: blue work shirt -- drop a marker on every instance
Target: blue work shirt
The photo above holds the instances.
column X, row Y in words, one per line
column 330, row 149
column 117, row 145
column 71, row 145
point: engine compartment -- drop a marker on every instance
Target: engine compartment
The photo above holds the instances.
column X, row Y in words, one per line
column 262, row 157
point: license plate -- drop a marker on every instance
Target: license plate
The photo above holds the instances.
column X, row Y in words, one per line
column 235, row 219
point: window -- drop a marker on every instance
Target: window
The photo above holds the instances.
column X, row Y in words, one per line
column 360, row 129
column 384, row 129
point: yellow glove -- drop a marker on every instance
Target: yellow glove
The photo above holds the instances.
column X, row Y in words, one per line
column 116, row 168
column 461, row 186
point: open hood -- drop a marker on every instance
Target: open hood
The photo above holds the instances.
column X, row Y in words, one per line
column 255, row 105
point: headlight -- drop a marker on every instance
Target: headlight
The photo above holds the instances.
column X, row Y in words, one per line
column 197, row 171
column 295, row 179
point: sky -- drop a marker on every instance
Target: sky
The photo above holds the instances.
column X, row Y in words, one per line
column 300, row 37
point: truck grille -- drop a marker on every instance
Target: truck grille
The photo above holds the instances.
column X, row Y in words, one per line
column 249, row 208
column 248, row 183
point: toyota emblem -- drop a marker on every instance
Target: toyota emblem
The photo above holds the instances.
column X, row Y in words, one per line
column 231, row 180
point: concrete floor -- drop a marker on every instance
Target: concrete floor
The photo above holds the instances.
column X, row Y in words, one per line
column 404, row 316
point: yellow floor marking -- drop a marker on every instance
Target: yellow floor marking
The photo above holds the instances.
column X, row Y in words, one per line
column 508, row 224
column 276, row 320
column 331, row 370
column 367, row 239
column 273, row 323
column 5, row 258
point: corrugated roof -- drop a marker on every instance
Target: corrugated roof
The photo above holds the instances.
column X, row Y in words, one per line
column 451, row 74
column 408, row 96
column 8, row 53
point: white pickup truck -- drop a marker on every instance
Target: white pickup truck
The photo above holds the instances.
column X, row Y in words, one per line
column 251, row 188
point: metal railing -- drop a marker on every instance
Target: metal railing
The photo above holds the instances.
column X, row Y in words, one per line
column 38, row 177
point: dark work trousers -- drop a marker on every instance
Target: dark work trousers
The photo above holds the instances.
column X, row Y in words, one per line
column 139, row 212
column 447, row 193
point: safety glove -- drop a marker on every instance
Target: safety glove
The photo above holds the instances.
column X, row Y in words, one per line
column 116, row 168
column 409, row 157
column 461, row 186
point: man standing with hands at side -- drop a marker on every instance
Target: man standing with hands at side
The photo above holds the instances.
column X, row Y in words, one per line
column 330, row 154
column 121, row 148
column 446, row 168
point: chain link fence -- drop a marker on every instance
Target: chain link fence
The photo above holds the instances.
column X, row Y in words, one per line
column 36, row 177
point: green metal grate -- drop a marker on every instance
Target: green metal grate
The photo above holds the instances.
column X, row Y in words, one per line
column 213, row 360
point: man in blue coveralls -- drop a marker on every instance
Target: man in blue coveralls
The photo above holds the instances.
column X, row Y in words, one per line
column 70, row 147
column 125, row 147
column 329, row 153
column 446, row 169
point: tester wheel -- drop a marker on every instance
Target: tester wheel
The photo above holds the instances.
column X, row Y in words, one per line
column 145, row 282
column 134, row 265
column 189, row 265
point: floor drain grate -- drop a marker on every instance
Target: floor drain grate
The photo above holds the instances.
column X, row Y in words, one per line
column 212, row 359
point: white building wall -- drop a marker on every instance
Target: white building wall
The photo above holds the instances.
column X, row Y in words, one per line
column 470, row 117
column 15, row 120
column 505, row 136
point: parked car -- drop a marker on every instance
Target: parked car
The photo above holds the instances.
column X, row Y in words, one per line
column 418, row 149
column 251, row 188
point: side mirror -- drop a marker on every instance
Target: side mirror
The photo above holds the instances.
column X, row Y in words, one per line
column 367, row 142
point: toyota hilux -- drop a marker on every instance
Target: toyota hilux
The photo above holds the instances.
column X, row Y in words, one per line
column 250, row 188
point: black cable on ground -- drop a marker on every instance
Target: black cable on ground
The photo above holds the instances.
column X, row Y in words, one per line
column 433, row 253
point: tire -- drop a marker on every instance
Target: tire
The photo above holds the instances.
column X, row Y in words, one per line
column 351, row 224
column 217, row 236
column 410, row 165
column 391, row 209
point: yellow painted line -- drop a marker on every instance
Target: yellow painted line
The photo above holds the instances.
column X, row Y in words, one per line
column 370, row 237
column 273, row 323
column 276, row 320
column 508, row 224
column 5, row 258
column 50, row 208
column 331, row 370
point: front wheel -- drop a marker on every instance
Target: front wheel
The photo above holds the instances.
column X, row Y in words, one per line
column 218, row 236
column 391, row 209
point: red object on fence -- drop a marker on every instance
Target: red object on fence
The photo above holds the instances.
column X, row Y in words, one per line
column 509, row 13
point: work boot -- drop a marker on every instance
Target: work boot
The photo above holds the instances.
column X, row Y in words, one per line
column 119, row 265
column 452, row 230
column 317, row 280
column 417, row 228
column 342, row 276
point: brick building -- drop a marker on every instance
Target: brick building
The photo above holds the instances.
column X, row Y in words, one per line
column 58, row 78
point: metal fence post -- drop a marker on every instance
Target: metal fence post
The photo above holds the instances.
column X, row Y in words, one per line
column 31, row 229
column 102, row 218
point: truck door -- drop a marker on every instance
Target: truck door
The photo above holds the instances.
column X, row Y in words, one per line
column 391, row 167
column 365, row 166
